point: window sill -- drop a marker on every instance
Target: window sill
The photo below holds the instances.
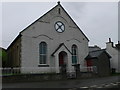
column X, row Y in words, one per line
column 75, row 64
column 43, row 65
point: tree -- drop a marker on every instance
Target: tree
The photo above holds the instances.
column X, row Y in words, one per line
column 3, row 57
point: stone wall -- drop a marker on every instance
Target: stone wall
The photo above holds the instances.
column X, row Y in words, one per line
column 13, row 52
column 43, row 77
column 32, row 77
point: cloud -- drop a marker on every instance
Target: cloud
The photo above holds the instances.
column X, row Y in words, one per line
column 97, row 20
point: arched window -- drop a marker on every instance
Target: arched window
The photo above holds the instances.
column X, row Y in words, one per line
column 74, row 54
column 43, row 52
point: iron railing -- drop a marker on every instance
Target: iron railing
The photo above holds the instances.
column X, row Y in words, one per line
column 17, row 70
column 9, row 71
column 89, row 69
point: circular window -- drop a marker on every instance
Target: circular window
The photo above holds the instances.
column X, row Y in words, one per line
column 59, row 26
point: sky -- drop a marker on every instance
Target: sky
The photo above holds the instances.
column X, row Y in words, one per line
column 97, row 20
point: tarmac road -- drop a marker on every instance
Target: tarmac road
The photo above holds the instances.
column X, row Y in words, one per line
column 104, row 82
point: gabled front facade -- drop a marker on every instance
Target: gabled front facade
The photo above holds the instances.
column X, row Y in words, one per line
column 51, row 42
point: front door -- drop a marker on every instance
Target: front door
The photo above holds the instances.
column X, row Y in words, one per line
column 62, row 61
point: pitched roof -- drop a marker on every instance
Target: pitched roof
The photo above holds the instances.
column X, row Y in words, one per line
column 96, row 54
column 50, row 11
column 62, row 44
column 43, row 16
column 38, row 19
column 14, row 40
column 94, row 48
column 74, row 23
column 2, row 49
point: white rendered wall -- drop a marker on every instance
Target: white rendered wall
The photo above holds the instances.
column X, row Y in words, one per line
column 114, row 54
column 43, row 30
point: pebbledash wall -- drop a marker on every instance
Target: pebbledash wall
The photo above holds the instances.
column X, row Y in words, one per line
column 43, row 30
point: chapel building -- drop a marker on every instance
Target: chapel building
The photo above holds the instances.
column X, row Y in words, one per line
column 52, row 44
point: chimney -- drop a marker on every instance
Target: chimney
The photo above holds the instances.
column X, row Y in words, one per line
column 118, row 45
column 58, row 2
column 109, row 43
column 109, row 39
column 118, row 42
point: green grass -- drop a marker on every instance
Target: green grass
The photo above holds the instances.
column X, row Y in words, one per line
column 9, row 74
column 12, row 74
column 115, row 74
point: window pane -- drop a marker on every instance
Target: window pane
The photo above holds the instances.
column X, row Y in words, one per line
column 41, row 59
column 74, row 54
column 74, row 51
column 40, row 50
column 43, row 52
column 44, row 59
column 74, row 59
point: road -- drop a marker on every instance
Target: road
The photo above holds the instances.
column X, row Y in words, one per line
column 104, row 82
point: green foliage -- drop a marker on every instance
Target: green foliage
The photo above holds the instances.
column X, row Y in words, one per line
column 3, row 57
column 116, row 74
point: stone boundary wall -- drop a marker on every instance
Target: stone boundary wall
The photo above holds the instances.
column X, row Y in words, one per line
column 42, row 77
column 32, row 77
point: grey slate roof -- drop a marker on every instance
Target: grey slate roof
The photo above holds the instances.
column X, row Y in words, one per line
column 40, row 18
column 96, row 54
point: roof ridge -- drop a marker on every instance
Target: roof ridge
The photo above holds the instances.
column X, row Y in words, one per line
column 40, row 17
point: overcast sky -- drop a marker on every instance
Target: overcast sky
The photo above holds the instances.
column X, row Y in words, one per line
column 98, row 20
